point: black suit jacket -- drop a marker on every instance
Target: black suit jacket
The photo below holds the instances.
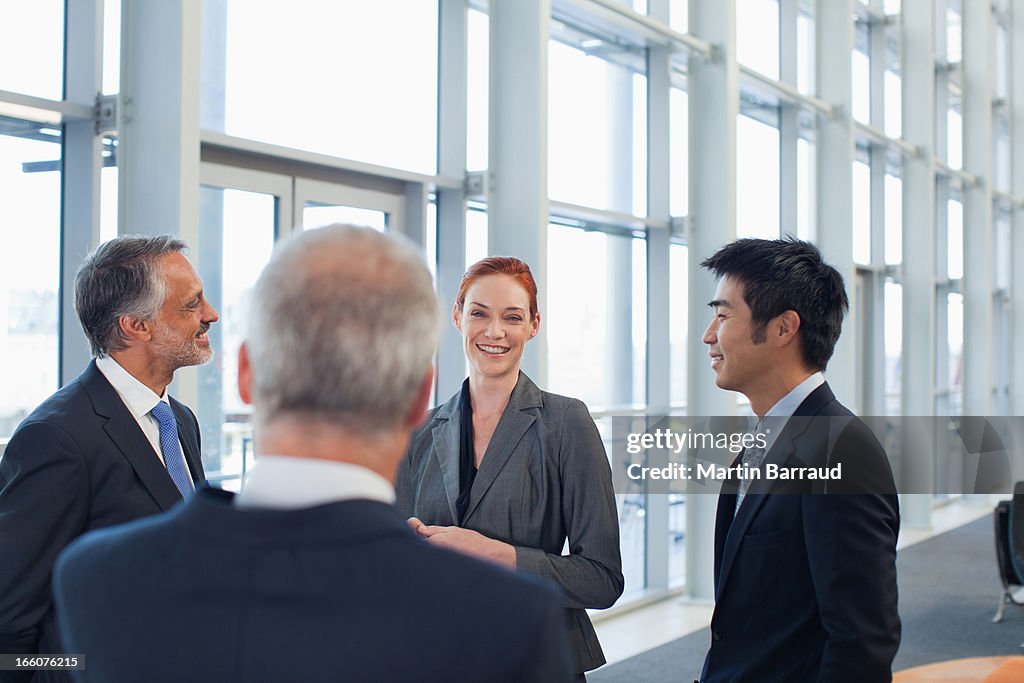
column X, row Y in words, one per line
column 337, row 592
column 78, row 462
column 805, row 574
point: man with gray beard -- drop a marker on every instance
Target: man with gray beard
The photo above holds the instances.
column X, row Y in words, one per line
column 111, row 446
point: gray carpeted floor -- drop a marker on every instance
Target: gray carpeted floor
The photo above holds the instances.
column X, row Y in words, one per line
column 949, row 588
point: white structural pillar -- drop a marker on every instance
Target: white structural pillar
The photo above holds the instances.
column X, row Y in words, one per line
column 451, row 203
column 714, row 106
column 1017, row 183
column 158, row 151
column 835, row 146
column 789, row 120
column 870, row 354
column 978, row 279
column 517, row 194
column 918, row 270
column 619, row 250
column 82, row 160
column 658, row 385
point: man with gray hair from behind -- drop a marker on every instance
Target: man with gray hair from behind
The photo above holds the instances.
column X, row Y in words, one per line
column 310, row 573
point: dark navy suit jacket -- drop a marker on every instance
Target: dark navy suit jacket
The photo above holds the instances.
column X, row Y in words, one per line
column 805, row 581
column 78, row 462
column 337, row 592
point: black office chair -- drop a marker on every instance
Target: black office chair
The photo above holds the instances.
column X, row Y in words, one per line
column 1009, row 526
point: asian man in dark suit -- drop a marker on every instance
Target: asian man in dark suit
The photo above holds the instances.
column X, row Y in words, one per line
column 805, row 571
column 310, row 573
column 111, row 446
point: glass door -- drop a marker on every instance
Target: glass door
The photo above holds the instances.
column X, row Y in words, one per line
column 319, row 203
column 240, row 216
column 242, row 213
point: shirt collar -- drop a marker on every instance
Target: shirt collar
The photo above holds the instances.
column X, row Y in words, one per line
column 139, row 398
column 788, row 404
column 288, row 482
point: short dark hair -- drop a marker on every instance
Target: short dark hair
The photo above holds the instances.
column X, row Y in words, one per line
column 787, row 275
column 119, row 278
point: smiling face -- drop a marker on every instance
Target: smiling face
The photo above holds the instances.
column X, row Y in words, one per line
column 495, row 325
column 179, row 329
column 739, row 363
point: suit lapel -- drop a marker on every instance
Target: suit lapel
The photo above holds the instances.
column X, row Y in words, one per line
column 126, row 434
column 446, row 449
column 752, row 504
column 510, row 430
column 787, row 446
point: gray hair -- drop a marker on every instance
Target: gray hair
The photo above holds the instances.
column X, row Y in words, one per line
column 343, row 327
column 121, row 277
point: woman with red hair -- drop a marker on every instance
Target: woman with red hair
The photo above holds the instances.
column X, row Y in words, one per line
column 506, row 472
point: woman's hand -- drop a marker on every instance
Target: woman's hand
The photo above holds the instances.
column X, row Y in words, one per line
column 467, row 542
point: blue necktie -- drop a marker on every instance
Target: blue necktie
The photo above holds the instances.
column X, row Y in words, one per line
column 170, row 447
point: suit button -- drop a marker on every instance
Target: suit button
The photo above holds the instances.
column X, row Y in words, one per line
column 716, row 636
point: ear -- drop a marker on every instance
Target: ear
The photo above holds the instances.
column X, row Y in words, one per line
column 244, row 375
column 418, row 412
column 456, row 317
column 534, row 326
column 788, row 326
column 135, row 329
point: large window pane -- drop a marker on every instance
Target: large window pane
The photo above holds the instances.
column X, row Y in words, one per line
column 805, row 189
column 757, row 35
column 861, row 87
column 316, row 215
column 632, row 508
column 32, row 48
column 893, row 105
column 679, row 303
column 861, row 212
column 237, row 231
column 954, row 32
column 893, row 220
column 639, row 6
column 893, row 346
column 679, row 152
column 476, row 236
column 1004, row 248
column 757, row 179
column 1001, row 76
column 595, row 325
column 30, row 273
column 600, row 162
column 955, row 338
column 805, row 54
column 955, row 242
column 1001, row 143
column 111, row 46
column 679, row 15
column 358, row 82
column 954, row 138
column 108, row 203
column 477, row 86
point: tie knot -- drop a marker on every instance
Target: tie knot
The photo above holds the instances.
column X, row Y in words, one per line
column 163, row 413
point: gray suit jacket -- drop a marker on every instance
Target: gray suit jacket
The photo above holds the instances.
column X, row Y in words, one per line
column 544, row 478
